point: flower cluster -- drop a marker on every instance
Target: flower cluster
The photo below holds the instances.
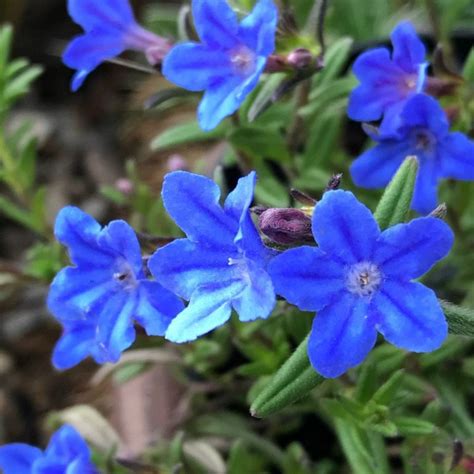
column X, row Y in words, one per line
column 67, row 453
column 359, row 279
column 413, row 123
column 227, row 64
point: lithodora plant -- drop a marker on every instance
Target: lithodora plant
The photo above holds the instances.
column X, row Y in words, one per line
column 361, row 275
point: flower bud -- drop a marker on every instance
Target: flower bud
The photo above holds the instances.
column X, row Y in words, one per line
column 300, row 58
column 286, row 226
column 125, row 186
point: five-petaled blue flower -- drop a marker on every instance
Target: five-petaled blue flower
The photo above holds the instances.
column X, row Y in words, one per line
column 229, row 60
column 98, row 299
column 67, row 453
column 424, row 133
column 359, row 282
column 386, row 83
column 221, row 265
column 110, row 28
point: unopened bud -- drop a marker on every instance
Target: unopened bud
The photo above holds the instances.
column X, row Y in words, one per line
column 440, row 212
column 334, row 182
column 176, row 162
column 286, row 226
column 302, row 197
column 300, row 58
column 125, row 186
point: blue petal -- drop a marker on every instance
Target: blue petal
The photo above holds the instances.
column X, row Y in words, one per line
column 257, row 30
column 237, row 206
column 341, row 337
column 50, row 466
column 424, row 112
column 456, row 157
column 409, row 316
column 344, row 228
column 407, row 251
column 80, row 289
column 86, row 52
column 307, row 278
column 74, row 346
column 258, row 298
column 425, row 196
column 408, row 51
column 239, row 200
column 195, row 66
column 18, row 458
column 115, row 331
column 79, row 232
column 216, row 23
column 92, row 14
column 193, row 203
column 182, row 266
column 224, row 97
column 156, row 308
column 209, row 308
column 82, row 466
column 376, row 167
column 67, row 443
column 120, row 239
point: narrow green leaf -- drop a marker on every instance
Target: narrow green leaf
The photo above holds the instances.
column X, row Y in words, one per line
column 395, row 203
column 20, row 86
column 460, row 320
column 468, row 70
column 6, row 35
column 335, row 59
column 293, row 380
column 388, row 390
column 411, row 426
column 185, row 133
column 17, row 214
column 264, row 97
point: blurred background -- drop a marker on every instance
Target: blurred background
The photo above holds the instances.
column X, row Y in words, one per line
column 92, row 149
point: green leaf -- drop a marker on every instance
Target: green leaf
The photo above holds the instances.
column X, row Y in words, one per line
column 6, row 36
column 335, row 59
column 460, row 320
column 389, row 389
column 17, row 214
column 242, row 460
column 20, row 86
column 260, row 142
column 295, row 379
column 395, row 203
column 186, row 133
column 468, row 70
column 411, row 426
column 265, row 95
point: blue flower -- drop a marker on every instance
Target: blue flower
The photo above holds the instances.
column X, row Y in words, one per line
column 222, row 263
column 98, row 299
column 110, row 28
column 229, row 60
column 424, row 133
column 387, row 82
column 67, row 453
column 359, row 281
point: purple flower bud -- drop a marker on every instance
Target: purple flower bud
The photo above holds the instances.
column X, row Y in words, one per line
column 286, row 226
column 125, row 186
column 176, row 162
column 300, row 58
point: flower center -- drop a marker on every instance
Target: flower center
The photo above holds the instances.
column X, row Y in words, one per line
column 363, row 278
column 124, row 275
column 423, row 140
column 243, row 60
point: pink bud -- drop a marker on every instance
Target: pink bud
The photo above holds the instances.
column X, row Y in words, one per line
column 125, row 186
column 286, row 226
